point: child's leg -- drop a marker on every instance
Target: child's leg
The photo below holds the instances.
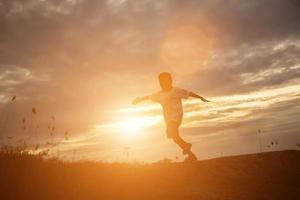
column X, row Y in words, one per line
column 173, row 132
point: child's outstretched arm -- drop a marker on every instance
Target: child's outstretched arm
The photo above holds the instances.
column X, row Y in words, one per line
column 140, row 99
column 192, row 94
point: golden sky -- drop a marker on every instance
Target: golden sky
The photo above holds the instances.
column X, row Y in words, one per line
column 84, row 61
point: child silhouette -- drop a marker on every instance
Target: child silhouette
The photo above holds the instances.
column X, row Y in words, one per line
column 170, row 99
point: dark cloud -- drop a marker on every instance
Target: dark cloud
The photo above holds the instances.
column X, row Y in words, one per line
column 244, row 21
column 250, row 68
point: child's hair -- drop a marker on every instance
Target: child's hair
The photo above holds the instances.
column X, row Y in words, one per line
column 165, row 76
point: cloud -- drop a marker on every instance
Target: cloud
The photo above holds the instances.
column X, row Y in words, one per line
column 250, row 68
column 13, row 75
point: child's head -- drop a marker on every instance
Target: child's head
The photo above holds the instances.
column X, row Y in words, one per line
column 165, row 80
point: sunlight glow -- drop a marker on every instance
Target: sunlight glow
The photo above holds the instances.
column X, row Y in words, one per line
column 131, row 127
column 188, row 45
column 225, row 108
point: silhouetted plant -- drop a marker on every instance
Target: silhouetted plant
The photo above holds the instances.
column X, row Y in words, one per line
column 260, row 140
column 74, row 155
column 23, row 124
column 7, row 115
column 22, row 151
column 36, row 130
column 273, row 144
column 33, row 110
column 165, row 161
column 127, row 151
column 66, row 134
column 51, row 126
column 13, row 98
column 33, row 113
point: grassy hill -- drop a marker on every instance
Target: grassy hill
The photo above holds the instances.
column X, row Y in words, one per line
column 273, row 175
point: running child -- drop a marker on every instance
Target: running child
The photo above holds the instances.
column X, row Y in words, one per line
column 170, row 99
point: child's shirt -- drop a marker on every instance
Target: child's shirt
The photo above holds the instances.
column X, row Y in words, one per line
column 171, row 103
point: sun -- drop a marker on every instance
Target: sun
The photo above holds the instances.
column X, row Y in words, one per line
column 131, row 127
column 134, row 126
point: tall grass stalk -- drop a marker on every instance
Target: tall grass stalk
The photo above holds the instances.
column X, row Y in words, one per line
column 6, row 117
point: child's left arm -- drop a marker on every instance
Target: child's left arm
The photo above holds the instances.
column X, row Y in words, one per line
column 140, row 99
column 192, row 94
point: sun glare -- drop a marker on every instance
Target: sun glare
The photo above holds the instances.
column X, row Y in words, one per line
column 131, row 127
column 136, row 125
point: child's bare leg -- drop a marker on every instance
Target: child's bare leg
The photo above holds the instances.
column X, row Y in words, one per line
column 173, row 132
column 186, row 147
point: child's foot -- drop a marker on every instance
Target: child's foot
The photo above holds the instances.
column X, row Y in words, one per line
column 187, row 149
column 191, row 158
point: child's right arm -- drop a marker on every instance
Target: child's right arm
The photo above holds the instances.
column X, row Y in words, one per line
column 140, row 99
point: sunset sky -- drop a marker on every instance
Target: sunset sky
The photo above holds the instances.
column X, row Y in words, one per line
column 84, row 61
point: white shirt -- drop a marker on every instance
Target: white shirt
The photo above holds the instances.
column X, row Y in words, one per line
column 171, row 103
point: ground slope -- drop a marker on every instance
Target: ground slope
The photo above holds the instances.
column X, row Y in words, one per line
column 274, row 175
